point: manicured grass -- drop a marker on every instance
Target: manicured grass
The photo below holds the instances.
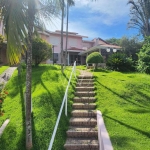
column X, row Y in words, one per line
column 48, row 87
column 3, row 68
column 124, row 99
column 81, row 67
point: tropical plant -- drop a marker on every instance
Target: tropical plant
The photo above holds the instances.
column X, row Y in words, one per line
column 62, row 4
column 140, row 16
column 3, row 94
column 94, row 58
column 130, row 46
column 20, row 18
column 41, row 50
column 144, row 57
column 113, row 41
column 69, row 3
column 120, row 62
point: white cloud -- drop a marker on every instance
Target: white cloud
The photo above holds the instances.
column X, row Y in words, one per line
column 78, row 27
column 95, row 14
column 110, row 11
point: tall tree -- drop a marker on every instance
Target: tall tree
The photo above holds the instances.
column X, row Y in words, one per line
column 69, row 3
column 130, row 46
column 62, row 32
column 140, row 16
column 19, row 25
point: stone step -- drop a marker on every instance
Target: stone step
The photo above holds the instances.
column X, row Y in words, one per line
column 85, row 94
column 83, row 113
column 85, row 84
column 81, row 144
column 85, row 88
column 84, row 105
column 85, row 80
column 88, row 121
column 84, row 99
column 74, row 132
column 84, row 77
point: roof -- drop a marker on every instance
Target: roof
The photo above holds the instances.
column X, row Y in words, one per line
column 75, row 49
column 85, row 41
column 103, row 40
column 57, row 32
column 100, row 46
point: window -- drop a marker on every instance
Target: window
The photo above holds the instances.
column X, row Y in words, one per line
column 55, row 57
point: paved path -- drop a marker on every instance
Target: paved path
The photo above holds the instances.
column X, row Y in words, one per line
column 85, row 73
column 5, row 76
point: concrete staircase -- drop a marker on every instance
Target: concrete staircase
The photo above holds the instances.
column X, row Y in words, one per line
column 83, row 133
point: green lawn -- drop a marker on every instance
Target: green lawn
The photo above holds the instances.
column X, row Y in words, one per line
column 124, row 99
column 3, row 68
column 48, row 86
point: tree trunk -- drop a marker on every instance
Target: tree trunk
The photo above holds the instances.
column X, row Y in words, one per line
column 96, row 65
column 62, row 25
column 29, row 76
column 67, row 33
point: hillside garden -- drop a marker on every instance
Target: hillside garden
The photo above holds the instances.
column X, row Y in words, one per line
column 48, row 87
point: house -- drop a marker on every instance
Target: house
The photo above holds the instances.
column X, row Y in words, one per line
column 77, row 47
column 103, row 47
column 74, row 47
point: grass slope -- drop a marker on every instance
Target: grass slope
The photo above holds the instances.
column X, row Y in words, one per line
column 48, row 87
column 124, row 100
column 3, row 68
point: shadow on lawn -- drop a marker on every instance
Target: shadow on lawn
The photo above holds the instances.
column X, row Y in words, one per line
column 34, row 135
column 129, row 126
column 73, row 86
column 22, row 137
column 138, row 111
column 49, row 99
column 121, row 141
column 11, row 132
column 146, row 97
column 122, row 97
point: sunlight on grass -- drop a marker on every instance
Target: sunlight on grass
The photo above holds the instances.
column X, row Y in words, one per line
column 48, row 87
column 124, row 100
column 3, row 68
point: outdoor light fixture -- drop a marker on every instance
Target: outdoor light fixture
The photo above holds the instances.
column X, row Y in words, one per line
column 114, row 50
column 108, row 49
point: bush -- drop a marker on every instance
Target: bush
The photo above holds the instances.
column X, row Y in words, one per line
column 120, row 62
column 41, row 50
column 144, row 57
column 94, row 58
column 3, row 94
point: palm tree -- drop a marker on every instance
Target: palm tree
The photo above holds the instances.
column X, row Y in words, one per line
column 140, row 16
column 19, row 23
column 69, row 3
column 62, row 26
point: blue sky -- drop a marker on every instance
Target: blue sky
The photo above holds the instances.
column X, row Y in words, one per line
column 101, row 18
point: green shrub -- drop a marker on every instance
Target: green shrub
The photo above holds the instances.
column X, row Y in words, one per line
column 41, row 50
column 144, row 57
column 3, row 94
column 120, row 62
column 94, row 58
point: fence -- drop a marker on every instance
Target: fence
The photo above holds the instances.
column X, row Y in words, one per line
column 65, row 99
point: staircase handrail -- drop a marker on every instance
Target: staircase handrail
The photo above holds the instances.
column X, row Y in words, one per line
column 62, row 105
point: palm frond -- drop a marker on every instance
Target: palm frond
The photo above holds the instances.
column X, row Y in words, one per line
column 15, row 27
